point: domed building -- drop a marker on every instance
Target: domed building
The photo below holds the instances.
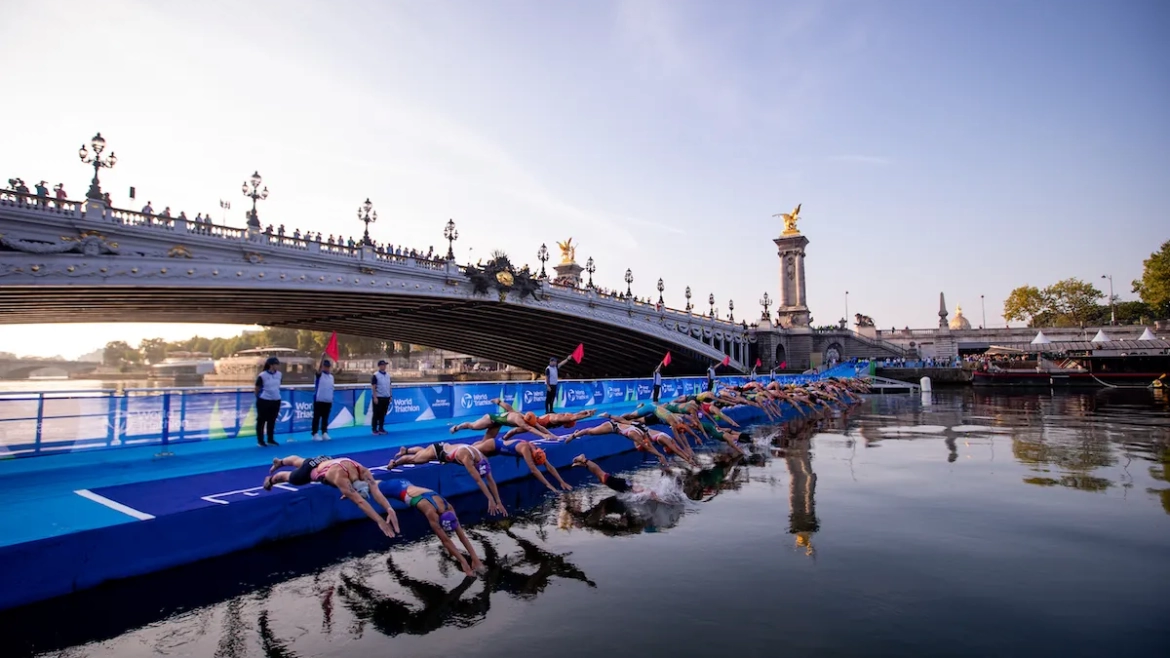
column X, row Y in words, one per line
column 959, row 322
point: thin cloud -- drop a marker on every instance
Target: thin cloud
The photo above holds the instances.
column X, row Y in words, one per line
column 855, row 158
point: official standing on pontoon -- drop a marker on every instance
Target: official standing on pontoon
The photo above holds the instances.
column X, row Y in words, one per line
column 267, row 401
column 380, row 387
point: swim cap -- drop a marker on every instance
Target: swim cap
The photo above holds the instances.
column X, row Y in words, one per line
column 484, row 468
column 744, row 436
column 530, row 418
column 448, row 521
column 570, row 423
column 396, row 488
column 362, row 488
column 539, row 457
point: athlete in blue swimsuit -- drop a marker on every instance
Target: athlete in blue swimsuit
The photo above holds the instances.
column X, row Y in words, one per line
column 441, row 516
column 534, row 457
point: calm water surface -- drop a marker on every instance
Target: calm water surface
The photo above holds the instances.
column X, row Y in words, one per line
column 978, row 525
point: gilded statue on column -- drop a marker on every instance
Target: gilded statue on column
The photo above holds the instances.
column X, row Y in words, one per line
column 790, row 220
column 568, row 251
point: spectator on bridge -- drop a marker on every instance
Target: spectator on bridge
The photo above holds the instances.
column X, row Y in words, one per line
column 267, row 401
column 148, row 209
column 382, row 394
column 166, row 212
column 551, row 380
column 323, row 398
column 296, row 234
column 105, row 198
column 280, row 231
column 59, row 191
column 42, row 192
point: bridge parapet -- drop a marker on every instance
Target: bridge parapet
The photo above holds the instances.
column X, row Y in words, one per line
column 54, row 243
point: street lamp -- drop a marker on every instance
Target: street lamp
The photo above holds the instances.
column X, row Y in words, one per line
column 367, row 214
column 660, row 289
column 983, row 307
column 542, row 256
column 1112, row 308
column 590, row 269
column 846, row 307
column 255, row 194
column 688, row 296
column 629, row 280
column 711, row 301
column 731, row 310
column 98, row 144
column 451, row 235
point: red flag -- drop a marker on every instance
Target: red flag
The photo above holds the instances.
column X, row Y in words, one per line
column 783, row 365
column 331, row 350
column 759, row 363
column 666, row 359
column 578, row 353
column 726, row 360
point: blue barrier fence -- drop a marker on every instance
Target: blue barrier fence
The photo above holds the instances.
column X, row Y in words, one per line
column 52, row 423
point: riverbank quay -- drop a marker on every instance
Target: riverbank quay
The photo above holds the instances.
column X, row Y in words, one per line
column 938, row 376
column 71, row 521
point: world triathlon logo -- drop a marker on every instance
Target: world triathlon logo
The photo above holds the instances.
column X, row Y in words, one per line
column 467, row 401
column 285, row 411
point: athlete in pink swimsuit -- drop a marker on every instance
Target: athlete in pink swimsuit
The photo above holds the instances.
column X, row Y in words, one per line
column 355, row 482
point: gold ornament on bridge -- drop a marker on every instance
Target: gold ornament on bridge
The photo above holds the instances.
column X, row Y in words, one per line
column 179, row 251
column 568, row 251
column 790, row 220
column 505, row 278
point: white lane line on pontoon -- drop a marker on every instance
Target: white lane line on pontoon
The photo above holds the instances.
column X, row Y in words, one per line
column 114, row 505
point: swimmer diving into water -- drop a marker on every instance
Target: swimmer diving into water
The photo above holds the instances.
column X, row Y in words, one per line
column 512, row 418
column 355, row 482
column 462, row 453
column 441, row 515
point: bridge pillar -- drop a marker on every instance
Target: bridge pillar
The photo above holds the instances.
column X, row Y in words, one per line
column 793, row 311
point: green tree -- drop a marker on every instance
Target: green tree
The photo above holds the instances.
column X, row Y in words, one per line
column 1154, row 286
column 154, row 350
column 119, row 352
column 1025, row 304
column 1072, row 301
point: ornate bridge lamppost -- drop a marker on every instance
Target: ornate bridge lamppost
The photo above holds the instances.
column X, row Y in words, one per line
column 368, row 215
column 731, row 310
column 690, row 306
column 542, row 256
column 254, row 193
column 661, row 287
column 711, row 301
column 766, row 301
column 99, row 145
column 629, row 282
column 590, row 268
column 451, row 235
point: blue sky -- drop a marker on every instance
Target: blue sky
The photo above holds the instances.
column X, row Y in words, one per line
column 957, row 147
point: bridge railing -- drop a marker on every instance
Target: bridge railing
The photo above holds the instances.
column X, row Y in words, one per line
column 15, row 199
column 38, row 424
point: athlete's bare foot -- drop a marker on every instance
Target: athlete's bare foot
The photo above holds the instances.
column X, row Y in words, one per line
column 268, row 483
column 277, row 462
column 580, row 460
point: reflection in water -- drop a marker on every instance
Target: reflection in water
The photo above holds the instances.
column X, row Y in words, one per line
column 289, row 598
column 389, row 616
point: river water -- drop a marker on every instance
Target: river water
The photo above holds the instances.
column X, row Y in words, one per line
column 982, row 524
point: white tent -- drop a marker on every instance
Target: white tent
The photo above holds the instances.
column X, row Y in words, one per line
column 1147, row 335
column 1101, row 337
column 1040, row 339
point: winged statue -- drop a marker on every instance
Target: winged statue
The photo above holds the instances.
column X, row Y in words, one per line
column 568, row 251
column 790, row 220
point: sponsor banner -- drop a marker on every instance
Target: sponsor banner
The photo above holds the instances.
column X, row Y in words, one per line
column 530, row 397
column 414, row 403
column 572, row 395
column 474, row 399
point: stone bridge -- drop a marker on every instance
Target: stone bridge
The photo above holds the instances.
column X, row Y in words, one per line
column 25, row 368
column 63, row 261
